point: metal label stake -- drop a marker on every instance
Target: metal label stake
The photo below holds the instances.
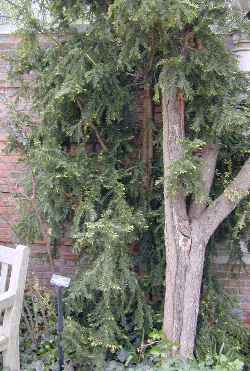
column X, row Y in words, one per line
column 60, row 283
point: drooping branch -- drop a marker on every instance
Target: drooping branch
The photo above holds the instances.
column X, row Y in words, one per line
column 147, row 137
column 239, row 188
column 92, row 125
column 209, row 156
column 99, row 138
column 43, row 225
column 147, row 118
column 44, row 228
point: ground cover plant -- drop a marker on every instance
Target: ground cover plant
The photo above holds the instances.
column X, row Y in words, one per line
column 96, row 166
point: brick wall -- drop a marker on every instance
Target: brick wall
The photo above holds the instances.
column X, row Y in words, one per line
column 234, row 276
column 10, row 170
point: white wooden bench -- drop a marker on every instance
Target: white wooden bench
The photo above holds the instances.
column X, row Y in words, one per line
column 14, row 264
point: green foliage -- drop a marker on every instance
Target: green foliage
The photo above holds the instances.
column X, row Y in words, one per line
column 38, row 329
column 155, row 358
column 222, row 364
column 89, row 59
column 186, row 171
column 27, row 228
column 77, row 177
column 108, row 282
column 219, row 329
column 223, row 354
column 135, row 21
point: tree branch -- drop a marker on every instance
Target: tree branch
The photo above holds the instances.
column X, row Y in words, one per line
column 239, row 188
column 209, row 156
column 147, row 137
column 99, row 138
column 44, row 229
column 43, row 225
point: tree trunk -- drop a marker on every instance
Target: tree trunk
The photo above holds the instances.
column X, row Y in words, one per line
column 188, row 232
column 192, row 292
column 185, row 249
column 178, row 239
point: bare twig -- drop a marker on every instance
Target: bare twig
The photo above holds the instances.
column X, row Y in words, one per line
column 91, row 124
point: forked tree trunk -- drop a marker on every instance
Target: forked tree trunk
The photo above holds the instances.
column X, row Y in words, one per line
column 192, row 290
column 178, row 233
column 187, row 232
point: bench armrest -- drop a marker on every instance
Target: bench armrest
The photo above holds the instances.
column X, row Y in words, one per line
column 6, row 300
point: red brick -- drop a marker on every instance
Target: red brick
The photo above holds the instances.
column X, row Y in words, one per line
column 245, row 283
column 245, row 307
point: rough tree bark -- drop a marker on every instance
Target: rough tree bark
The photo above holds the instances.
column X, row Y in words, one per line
column 187, row 232
column 147, row 119
column 147, row 137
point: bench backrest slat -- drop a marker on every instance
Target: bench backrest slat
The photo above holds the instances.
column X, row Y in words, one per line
column 3, row 277
column 19, row 269
column 13, row 271
column 7, row 255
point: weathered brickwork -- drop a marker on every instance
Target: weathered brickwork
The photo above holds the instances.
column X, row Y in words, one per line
column 11, row 168
column 234, row 276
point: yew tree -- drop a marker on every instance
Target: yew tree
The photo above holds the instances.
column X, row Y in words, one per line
column 173, row 53
column 204, row 102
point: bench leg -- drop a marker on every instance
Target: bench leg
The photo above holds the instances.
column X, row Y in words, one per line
column 11, row 357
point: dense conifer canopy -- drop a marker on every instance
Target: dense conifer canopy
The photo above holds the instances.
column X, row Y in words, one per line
column 91, row 61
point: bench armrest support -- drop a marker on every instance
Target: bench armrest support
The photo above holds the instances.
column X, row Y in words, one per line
column 6, row 300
